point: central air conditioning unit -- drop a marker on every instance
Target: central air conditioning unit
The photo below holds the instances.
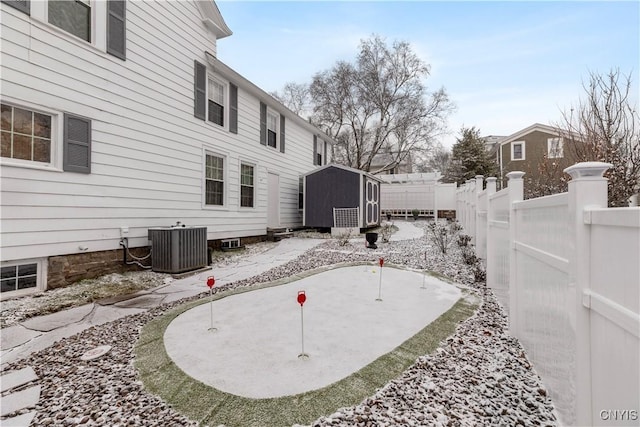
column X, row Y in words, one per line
column 178, row 249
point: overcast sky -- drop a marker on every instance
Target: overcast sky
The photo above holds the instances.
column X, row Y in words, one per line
column 506, row 65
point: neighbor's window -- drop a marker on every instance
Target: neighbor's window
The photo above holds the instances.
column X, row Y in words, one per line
column 214, row 180
column 73, row 16
column 17, row 277
column 246, row 185
column 26, row 134
column 272, row 129
column 216, row 102
column 554, row 148
column 517, row 150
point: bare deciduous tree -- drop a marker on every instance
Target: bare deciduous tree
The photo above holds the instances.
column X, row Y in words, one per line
column 439, row 160
column 378, row 105
column 605, row 127
column 296, row 97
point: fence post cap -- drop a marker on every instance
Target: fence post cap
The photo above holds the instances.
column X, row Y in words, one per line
column 479, row 176
column 515, row 175
column 492, row 179
column 588, row 169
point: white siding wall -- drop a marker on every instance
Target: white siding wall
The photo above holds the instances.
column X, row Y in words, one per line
column 147, row 147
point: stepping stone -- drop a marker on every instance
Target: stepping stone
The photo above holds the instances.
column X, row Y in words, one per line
column 23, row 420
column 144, row 301
column 57, row 320
column 116, row 299
column 14, row 336
column 17, row 378
column 22, row 399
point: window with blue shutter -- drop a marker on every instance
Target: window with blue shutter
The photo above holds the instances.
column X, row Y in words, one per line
column 200, row 90
column 233, row 108
column 263, row 123
column 77, row 144
column 21, row 5
column 116, row 28
column 324, row 143
column 281, row 133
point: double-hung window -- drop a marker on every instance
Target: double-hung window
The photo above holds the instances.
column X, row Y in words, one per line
column 554, row 148
column 72, row 16
column 247, row 187
column 272, row 129
column 26, row 134
column 98, row 22
column 214, row 180
column 517, row 150
column 216, row 103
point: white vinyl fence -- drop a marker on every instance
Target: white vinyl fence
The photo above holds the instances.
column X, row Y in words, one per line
column 567, row 271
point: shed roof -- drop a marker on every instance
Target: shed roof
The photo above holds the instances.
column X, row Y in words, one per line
column 347, row 168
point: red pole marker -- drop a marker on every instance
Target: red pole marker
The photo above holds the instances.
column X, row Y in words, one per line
column 302, row 297
column 381, row 262
column 211, row 281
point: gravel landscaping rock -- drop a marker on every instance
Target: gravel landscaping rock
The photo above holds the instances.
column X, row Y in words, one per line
column 479, row 376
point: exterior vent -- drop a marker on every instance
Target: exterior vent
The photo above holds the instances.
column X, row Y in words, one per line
column 178, row 249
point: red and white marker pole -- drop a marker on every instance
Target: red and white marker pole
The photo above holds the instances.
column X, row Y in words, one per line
column 302, row 297
column 211, row 281
column 381, row 262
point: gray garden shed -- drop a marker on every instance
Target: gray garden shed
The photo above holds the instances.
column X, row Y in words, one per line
column 343, row 194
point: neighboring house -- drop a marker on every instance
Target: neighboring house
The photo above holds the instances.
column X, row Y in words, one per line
column 527, row 149
column 118, row 117
column 381, row 162
column 492, row 145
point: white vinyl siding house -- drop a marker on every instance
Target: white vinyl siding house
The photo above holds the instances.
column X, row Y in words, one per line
column 126, row 145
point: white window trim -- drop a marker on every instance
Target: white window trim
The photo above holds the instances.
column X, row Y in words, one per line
column 225, row 188
column 255, row 184
column 57, row 138
column 40, row 13
column 550, row 142
column 41, row 279
column 226, row 105
column 523, row 150
column 274, row 113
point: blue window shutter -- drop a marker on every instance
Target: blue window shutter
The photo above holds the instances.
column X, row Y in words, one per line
column 263, row 123
column 281, row 133
column 315, row 150
column 117, row 28
column 233, row 108
column 77, row 144
column 200, row 90
column 324, row 157
column 21, row 5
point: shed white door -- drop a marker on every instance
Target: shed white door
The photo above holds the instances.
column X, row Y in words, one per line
column 273, row 201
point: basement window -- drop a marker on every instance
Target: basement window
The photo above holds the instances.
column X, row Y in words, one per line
column 17, row 278
column 231, row 244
